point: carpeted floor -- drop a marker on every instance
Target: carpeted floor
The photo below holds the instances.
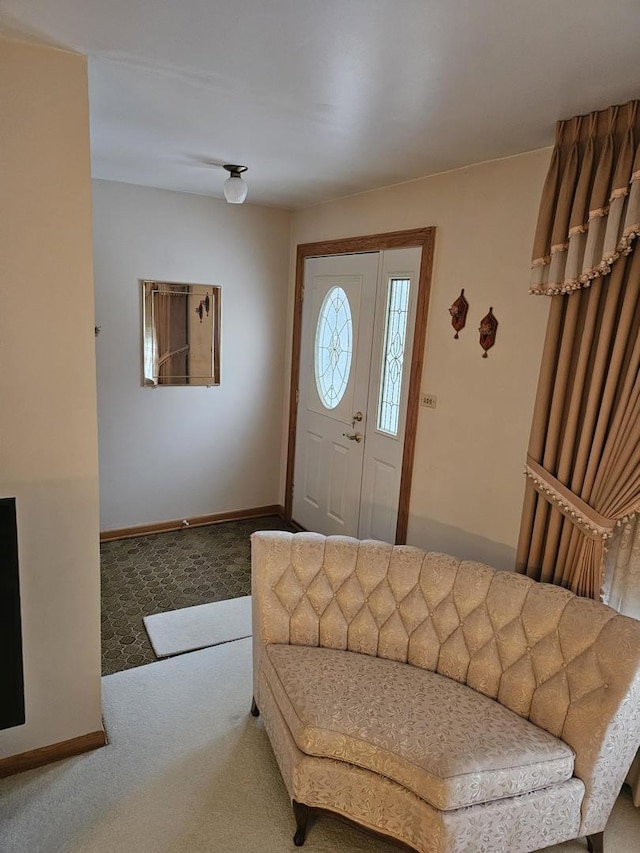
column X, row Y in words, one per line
column 188, row 770
column 166, row 571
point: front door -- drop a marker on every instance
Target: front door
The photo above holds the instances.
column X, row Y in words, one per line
column 358, row 318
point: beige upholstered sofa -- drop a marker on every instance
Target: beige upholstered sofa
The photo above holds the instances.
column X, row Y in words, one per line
column 449, row 706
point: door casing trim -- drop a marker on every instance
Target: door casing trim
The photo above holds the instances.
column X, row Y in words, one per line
column 420, row 237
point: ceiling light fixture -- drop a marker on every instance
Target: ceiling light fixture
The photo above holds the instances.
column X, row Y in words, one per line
column 235, row 187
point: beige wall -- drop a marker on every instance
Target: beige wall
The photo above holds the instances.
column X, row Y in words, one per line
column 468, row 483
column 48, row 442
column 177, row 452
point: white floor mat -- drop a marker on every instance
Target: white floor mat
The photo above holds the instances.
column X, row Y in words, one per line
column 198, row 627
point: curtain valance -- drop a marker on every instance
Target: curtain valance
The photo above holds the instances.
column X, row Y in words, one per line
column 590, row 209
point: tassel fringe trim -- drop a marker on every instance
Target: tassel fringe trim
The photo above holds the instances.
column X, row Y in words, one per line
column 570, row 509
column 604, row 267
column 625, row 247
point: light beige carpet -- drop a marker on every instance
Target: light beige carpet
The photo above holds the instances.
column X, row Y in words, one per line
column 188, row 770
column 199, row 627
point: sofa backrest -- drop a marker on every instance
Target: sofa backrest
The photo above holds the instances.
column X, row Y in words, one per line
column 566, row 663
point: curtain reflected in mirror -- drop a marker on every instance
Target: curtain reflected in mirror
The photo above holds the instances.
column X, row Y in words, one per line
column 181, row 333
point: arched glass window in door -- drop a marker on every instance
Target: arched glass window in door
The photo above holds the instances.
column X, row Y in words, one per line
column 334, row 347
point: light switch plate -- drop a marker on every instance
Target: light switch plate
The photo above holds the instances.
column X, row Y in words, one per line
column 428, row 400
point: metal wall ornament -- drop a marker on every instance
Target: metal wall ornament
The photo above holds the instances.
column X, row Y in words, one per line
column 488, row 330
column 458, row 313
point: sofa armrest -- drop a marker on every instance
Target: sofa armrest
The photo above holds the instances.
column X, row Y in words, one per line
column 603, row 725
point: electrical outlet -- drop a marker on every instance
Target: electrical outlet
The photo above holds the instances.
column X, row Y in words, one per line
column 428, row 400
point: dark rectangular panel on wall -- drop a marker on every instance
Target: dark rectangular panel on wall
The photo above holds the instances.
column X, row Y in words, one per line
column 11, row 673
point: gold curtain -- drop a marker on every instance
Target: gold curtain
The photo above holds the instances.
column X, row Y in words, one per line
column 583, row 463
column 171, row 333
column 162, row 323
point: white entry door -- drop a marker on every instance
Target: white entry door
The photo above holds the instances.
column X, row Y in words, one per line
column 357, row 331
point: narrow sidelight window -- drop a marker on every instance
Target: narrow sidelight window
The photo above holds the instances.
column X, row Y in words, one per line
column 393, row 354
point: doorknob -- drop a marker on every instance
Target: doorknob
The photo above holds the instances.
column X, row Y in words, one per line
column 354, row 436
column 356, row 417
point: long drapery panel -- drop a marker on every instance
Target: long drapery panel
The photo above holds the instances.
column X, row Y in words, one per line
column 171, row 331
column 583, row 463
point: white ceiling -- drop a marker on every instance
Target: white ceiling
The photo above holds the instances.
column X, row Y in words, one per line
column 322, row 98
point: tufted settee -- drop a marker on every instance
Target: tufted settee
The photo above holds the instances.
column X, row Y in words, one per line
column 441, row 703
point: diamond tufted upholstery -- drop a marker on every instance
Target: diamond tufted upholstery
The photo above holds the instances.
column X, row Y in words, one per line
column 569, row 665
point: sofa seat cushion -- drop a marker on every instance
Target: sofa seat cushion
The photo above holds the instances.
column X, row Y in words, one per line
column 450, row 745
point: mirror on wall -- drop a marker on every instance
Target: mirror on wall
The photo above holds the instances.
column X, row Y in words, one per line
column 180, row 333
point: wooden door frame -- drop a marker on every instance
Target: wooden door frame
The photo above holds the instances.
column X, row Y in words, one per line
column 424, row 238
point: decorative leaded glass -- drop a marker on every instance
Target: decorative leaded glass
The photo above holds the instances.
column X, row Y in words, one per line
column 393, row 355
column 334, row 346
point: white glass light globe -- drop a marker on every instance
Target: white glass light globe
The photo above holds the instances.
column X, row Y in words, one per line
column 235, row 190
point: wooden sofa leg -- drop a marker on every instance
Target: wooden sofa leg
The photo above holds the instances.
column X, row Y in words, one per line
column 595, row 843
column 255, row 711
column 301, row 813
